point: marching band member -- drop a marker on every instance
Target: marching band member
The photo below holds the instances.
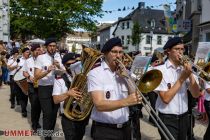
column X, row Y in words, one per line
column 12, row 66
column 45, row 65
column 23, row 98
column 172, row 101
column 28, row 72
column 111, row 96
column 207, row 108
column 73, row 130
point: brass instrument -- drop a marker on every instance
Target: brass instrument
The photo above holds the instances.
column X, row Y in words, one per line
column 79, row 110
column 148, row 82
column 201, row 71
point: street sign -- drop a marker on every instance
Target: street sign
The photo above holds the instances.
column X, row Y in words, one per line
column 184, row 25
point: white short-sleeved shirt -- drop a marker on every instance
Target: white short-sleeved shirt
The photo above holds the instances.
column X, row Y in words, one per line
column 59, row 88
column 179, row 104
column 12, row 62
column 43, row 62
column 114, row 87
column 29, row 66
column 207, row 95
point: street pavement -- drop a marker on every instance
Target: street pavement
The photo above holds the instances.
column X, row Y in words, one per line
column 11, row 119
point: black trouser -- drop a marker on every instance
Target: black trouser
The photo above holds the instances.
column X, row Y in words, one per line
column 48, row 107
column 176, row 124
column 35, row 105
column 23, row 99
column 207, row 108
column 106, row 132
column 73, row 130
column 152, row 98
column 12, row 90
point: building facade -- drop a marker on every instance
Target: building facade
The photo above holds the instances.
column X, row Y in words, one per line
column 153, row 32
column 4, row 20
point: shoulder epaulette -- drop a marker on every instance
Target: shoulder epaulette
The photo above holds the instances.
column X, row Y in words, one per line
column 96, row 65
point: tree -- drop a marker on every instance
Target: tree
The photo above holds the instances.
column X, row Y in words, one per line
column 52, row 18
column 136, row 35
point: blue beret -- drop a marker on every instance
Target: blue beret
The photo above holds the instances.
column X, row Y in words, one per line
column 110, row 44
column 67, row 57
column 49, row 40
column 172, row 42
column 34, row 47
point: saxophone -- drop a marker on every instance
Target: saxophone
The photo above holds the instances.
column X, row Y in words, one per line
column 79, row 110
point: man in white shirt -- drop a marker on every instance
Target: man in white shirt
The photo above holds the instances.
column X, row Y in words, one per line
column 45, row 66
column 73, row 130
column 28, row 72
column 111, row 96
column 172, row 101
column 12, row 66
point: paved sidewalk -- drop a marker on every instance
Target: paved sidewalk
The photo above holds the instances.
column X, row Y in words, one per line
column 11, row 119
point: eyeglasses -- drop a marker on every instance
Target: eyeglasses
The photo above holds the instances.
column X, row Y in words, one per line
column 179, row 49
column 116, row 52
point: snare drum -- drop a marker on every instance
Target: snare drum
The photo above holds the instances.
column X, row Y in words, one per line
column 21, row 81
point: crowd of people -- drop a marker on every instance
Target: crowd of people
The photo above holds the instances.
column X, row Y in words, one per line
column 47, row 73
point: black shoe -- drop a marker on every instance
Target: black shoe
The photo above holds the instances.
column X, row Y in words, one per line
column 24, row 114
column 12, row 106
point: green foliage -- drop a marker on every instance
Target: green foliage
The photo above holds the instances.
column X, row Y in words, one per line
column 136, row 34
column 47, row 18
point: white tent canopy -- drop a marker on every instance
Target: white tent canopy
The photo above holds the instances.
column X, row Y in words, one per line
column 36, row 41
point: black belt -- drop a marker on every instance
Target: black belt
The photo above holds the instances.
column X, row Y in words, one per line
column 120, row 125
column 174, row 115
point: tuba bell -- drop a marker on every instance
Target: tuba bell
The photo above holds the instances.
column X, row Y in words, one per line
column 79, row 110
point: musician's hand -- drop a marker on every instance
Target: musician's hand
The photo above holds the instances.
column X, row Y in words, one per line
column 31, row 79
column 74, row 93
column 56, row 63
column 186, row 72
column 50, row 68
column 133, row 99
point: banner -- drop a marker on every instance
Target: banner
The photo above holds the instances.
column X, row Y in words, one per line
column 169, row 19
column 202, row 53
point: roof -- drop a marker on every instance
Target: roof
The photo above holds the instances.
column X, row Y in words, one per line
column 144, row 17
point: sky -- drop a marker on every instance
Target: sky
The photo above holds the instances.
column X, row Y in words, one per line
column 112, row 6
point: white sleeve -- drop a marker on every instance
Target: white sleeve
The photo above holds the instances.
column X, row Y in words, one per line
column 57, row 87
column 38, row 63
column 94, row 81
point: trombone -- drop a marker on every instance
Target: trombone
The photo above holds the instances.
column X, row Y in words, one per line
column 201, row 72
column 148, row 82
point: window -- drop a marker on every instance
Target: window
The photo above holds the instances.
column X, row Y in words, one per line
column 128, row 24
column 148, row 39
column 128, row 40
column 207, row 37
column 146, row 48
column 123, row 26
column 123, row 39
column 159, row 40
column 152, row 23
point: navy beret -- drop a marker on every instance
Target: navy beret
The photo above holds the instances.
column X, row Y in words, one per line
column 172, row 42
column 14, row 50
column 49, row 40
column 110, row 44
column 67, row 57
column 154, row 58
column 25, row 49
column 34, row 47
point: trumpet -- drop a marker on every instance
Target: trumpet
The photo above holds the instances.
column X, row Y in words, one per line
column 201, row 72
column 148, row 82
